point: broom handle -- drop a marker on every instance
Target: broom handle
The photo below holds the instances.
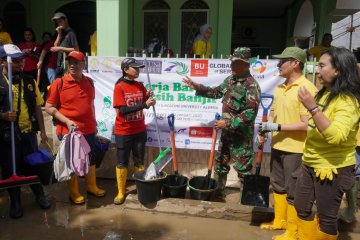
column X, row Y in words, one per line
column 213, row 144
column 155, row 116
column 12, row 124
column 171, row 120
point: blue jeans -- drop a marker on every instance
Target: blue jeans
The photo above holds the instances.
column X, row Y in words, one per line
column 51, row 74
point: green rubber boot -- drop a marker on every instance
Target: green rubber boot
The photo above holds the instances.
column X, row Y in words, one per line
column 348, row 215
column 220, row 192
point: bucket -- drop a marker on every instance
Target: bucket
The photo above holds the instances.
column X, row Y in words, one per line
column 198, row 193
column 149, row 191
column 174, row 186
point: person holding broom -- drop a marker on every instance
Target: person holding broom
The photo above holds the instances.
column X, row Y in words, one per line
column 328, row 163
column 240, row 95
column 130, row 98
column 28, row 120
column 288, row 120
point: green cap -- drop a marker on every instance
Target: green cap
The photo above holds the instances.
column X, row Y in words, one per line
column 293, row 52
column 241, row 53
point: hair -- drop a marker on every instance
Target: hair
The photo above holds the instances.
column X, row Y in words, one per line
column 348, row 80
column 357, row 54
column 327, row 34
column 47, row 33
column 32, row 32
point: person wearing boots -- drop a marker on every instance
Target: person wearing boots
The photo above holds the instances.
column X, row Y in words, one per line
column 288, row 120
column 328, row 162
column 240, row 95
column 130, row 98
column 71, row 102
column 28, row 120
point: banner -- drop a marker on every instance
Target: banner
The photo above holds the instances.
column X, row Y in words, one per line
column 194, row 115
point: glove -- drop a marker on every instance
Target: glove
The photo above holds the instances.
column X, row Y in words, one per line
column 325, row 173
column 268, row 127
column 257, row 139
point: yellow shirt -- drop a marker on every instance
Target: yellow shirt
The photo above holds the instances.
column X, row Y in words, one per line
column 5, row 38
column 93, row 44
column 335, row 146
column 358, row 137
column 24, row 122
column 317, row 51
column 202, row 48
column 288, row 109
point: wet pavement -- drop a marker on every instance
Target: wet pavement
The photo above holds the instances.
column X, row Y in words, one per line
column 99, row 218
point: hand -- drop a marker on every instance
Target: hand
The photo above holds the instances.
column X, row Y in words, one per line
column 39, row 65
column 71, row 124
column 150, row 102
column 325, row 173
column 220, row 124
column 190, row 83
column 59, row 29
column 43, row 137
column 306, row 98
column 9, row 116
column 149, row 93
column 268, row 127
column 257, row 140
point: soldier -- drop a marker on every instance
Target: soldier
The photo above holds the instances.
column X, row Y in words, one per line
column 240, row 93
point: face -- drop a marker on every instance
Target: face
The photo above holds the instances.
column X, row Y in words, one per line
column 325, row 72
column 327, row 40
column 60, row 22
column 75, row 67
column 286, row 66
column 239, row 68
column 46, row 38
column 28, row 36
column 208, row 33
column 17, row 65
column 132, row 72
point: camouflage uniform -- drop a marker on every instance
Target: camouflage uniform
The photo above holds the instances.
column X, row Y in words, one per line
column 240, row 106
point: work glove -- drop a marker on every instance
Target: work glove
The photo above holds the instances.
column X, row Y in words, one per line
column 325, row 173
column 257, row 139
column 268, row 127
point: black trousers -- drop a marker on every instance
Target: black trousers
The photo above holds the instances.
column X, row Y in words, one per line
column 130, row 143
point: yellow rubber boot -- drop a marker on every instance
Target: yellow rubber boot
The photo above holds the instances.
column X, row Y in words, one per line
column 307, row 229
column 324, row 236
column 138, row 169
column 121, row 174
column 75, row 196
column 280, row 211
column 90, row 180
column 291, row 229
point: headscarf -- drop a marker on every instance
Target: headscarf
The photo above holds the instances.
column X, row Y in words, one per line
column 203, row 30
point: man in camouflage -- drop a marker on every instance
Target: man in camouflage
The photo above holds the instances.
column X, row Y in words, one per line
column 240, row 97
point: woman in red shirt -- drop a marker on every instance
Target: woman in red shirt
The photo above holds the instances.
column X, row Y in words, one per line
column 31, row 50
column 130, row 98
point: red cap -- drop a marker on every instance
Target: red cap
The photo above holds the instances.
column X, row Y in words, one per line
column 76, row 55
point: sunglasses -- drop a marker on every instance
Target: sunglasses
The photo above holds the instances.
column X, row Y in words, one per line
column 284, row 60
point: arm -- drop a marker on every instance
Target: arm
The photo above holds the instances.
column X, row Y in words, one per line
column 41, row 58
column 54, row 112
column 130, row 109
column 40, row 119
column 298, row 126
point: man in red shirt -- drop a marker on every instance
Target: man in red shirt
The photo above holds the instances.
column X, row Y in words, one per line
column 130, row 98
column 71, row 102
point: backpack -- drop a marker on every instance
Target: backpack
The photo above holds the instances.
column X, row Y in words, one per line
column 79, row 153
column 62, row 169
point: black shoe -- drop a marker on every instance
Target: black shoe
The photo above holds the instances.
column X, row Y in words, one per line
column 42, row 202
column 16, row 210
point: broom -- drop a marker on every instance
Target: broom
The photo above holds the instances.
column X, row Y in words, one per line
column 15, row 180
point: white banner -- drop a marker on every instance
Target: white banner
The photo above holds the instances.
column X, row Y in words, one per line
column 194, row 115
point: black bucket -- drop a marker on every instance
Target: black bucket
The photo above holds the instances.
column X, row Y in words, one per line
column 149, row 191
column 197, row 191
column 175, row 186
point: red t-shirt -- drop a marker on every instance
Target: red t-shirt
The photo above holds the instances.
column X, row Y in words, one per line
column 129, row 93
column 30, row 51
column 52, row 60
column 75, row 100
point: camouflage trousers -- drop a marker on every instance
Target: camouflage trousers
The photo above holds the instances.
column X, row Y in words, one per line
column 234, row 149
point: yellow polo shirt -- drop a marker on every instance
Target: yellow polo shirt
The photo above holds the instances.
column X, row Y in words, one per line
column 5, row 38
column 202, row 48
column 24, row 123
column 335, row 146
column 288, row 109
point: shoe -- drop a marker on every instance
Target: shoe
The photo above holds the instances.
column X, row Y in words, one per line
column 348, row 214
column 220, row 192
column 139, row 168
column 42, row 202
column 121, row 175
column 291, row 226
column 75, row 196
column 91, row 186
column 40, row 198
column 16, row 210
column 324, row 236
column 280, row 211
column 307, row 229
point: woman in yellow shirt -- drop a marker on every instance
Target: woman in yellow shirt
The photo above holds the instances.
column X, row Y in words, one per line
column 202, row 45
column 328, row 162
column 4, row 36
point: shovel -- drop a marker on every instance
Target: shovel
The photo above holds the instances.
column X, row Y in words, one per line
column 206, row 184
column 256, row 187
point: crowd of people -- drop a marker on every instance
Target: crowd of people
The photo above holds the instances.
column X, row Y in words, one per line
column 315, row 138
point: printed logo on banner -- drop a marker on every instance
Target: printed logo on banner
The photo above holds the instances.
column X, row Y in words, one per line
column 187, row 141
column 106, row 65
column 177, row 67
column 94, row 65
column 220, row 68
column 200, row 132
column 118, row 62
column 199, row 68
column 154, row 67
column 258, row 68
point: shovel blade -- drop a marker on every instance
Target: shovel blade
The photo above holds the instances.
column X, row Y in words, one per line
column 256, row 191
column 150, row 172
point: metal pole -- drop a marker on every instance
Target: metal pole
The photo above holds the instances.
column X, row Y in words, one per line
column 351, row 31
